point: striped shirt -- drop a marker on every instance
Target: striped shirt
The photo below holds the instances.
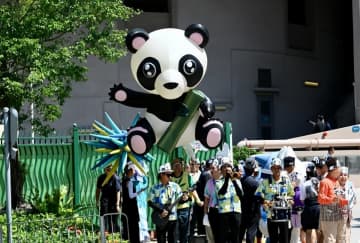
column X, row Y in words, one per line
column 210, row 193
column 329, row 211
column 185, row 182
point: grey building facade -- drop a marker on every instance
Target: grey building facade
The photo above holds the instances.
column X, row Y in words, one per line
column 260, row 55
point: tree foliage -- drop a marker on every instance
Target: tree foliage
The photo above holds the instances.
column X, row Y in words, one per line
column 44, row 45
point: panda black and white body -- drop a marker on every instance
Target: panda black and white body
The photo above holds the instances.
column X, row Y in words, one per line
column 167, row 64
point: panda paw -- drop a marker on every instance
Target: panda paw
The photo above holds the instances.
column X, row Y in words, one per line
column 139, row 140
column 211, row 133
column 118, row 93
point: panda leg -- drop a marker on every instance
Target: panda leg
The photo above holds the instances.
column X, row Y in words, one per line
column 141, row 137
column 210, row 132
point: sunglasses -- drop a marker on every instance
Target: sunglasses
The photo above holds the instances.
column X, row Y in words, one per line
column 168, row 175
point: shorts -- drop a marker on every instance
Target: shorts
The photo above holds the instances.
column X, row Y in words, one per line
column 310, row 217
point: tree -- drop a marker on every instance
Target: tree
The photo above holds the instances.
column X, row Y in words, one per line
column 44, row 45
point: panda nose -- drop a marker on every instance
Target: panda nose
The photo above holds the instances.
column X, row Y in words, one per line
column 171, row 85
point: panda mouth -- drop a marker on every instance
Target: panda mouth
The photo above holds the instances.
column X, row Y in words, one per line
column 170, row 85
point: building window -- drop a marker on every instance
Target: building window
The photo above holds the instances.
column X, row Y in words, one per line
column 160, row 6
column 301, row 25
column 265, row 116
column 264, row 78
column 296, row 12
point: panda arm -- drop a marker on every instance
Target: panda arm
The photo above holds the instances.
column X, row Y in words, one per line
column 131, row 98
column 207, row 108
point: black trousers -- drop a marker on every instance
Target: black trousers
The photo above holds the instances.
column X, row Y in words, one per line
column 111, row 221
column 249, row 225
column 229, row 225
column 168, row 233
column 279, row 232
column 214, row 223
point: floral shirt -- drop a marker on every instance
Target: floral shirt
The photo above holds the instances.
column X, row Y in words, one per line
column 269, row 188
column 229, row 202
column 164, row 195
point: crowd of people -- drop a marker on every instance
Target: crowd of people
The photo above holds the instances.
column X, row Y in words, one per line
column 230, row 203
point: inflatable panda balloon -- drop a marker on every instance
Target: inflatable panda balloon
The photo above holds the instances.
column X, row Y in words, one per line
column 169, row 64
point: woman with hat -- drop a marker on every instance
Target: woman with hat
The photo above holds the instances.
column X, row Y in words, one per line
column 272, row 191
column 134, row 203
column 348, row 191
column 331, row 202
column 161, row 197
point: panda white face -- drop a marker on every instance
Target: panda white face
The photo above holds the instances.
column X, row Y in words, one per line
column 169, row 63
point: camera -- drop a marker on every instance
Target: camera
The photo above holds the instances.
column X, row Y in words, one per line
column 236, row 172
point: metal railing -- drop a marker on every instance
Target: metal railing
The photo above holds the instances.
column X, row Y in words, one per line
column 114, row 231
column 76, row 228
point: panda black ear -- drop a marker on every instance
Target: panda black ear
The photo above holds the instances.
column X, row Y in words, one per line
column 197, row 33
column 135, row 39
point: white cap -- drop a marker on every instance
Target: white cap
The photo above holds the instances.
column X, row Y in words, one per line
column 165, row 168
column 275, row 162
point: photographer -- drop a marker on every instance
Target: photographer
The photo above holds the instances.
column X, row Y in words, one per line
column 229, row 192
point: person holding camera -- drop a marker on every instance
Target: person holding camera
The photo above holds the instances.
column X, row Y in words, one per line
column 275, row 194
column 229, row 193
column 184, row 208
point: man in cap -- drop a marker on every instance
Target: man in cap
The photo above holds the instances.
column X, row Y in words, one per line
column 276, row 189
column 200, row 188
column 184, row 180
column 321, row 172
column 309, row 194
column 321, row 168
column 197, row 214
column 331, row 203
column 108, row 198
column 297, row 178
column 162, row 195
column 249, row 204
column 211, row 202
column 229, row 193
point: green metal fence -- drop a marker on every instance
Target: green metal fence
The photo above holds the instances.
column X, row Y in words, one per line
column 55, row 161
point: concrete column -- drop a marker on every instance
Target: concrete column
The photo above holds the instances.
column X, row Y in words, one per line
column 356, row 40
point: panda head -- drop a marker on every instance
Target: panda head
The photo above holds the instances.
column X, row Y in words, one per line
column 168, row 62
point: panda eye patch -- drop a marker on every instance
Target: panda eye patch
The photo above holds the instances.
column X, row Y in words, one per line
column 147, row 72
column 189, row 67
